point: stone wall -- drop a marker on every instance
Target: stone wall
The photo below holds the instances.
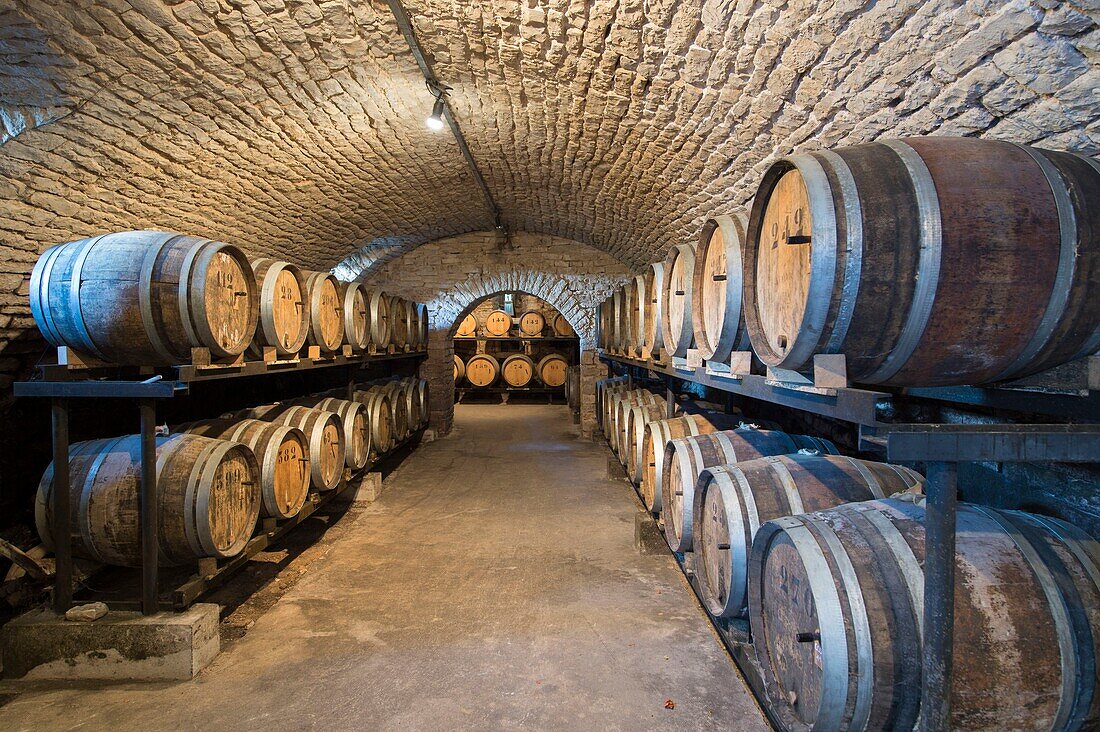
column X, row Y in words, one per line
column 453, row 275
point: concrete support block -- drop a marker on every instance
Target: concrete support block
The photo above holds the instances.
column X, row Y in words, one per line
column 119, row 646
column 615, row 469
column 648, row 539
column 369, row 490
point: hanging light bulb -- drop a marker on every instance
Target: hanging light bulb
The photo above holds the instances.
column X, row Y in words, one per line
column 435, row 119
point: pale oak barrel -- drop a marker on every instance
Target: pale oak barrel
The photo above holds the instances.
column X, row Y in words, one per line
column 357, row 314
column 676, row 329
column 459, row 369
column 284, row 318
column 716, row 314
column 658, row 433
column 482, row 370
column 323, row 429
column 531, row 324
column 281, row 451
column 654, row 308
column 326, row 311
column 498, row 323
column 517, row 370
column 355, row 422
column 551, row 370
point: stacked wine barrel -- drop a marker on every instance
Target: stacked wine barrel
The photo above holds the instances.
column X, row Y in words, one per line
column 924, row 262
column 150, row 298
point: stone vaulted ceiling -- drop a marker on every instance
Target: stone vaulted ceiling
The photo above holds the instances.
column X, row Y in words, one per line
column 296, row 126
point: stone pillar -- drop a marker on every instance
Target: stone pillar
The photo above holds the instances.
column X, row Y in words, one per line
column 592, row 369
column 438, row 369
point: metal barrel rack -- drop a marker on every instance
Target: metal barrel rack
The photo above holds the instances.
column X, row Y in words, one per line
column 62, row 384
column 942, row 447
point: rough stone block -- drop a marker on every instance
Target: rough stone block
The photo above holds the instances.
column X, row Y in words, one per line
column 368, row 491
column 119, row 646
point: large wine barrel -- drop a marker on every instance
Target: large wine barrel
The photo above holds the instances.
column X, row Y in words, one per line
column 620, row 405
column 654, row 308
column 716, row 315
column 732, row 501
column 413, row 319
column 322, row 428
column 637, row 417
column 380, row 417
column 531, row 324
column 459, row 369
column 400, row 406
column 282, row 453
column 381, row 326
column 326, row 317
column 836, row 604
column 482, row 370
column 552, row 369
column 617, row 326
column 498, row 323
column 603, row 325
column 926, row 261
column 208, row 499
column 423, row 392
column 687, row 457
column 676, row 332
column 610, row 399
column 635, row 310
column 604, row 389
column 658, row 433
column 145, row 297
column 410, row 388
column 399, row 322
column 517, row 370
column 284, row 320
column 562, row 328
column 356, row 311
column 468, row 327
column 355, row 422
column 423, row 325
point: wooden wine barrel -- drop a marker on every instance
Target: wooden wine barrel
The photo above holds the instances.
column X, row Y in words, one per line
column 323, row 429
column 402, row 407
column 482, row 370
column 676, row 331
column 468, row 327
column 687, row 457
column 412, row 321
column 716, row 316
column 531, row 324
column 836, row 602
column 637, row 417
column 282, row 453
column 620, row 404
column 926, row 261
column 552, row 369
column 604, row 389
column 635, row 315
column 326, row 311
column 284, row 320
column 355, row 422
column 208, row 499
column 572, row 388
column 357, row 314
column 617, row 326
column 424, row 325
column 658, row 433
column 410, row 388
column 732, row 501
column 459, row 369
column 654, row 308
column 603, row 325
column 145, row 297
column 517, row 370
column 562, row 328
column 606, row 415
column 498, row 323
column 399, row 322
column 381, row 327
column 424, row 399
column 380, row 417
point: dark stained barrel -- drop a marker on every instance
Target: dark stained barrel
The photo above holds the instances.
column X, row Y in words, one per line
column 687, row 457
column 145, row 297
column 716, row 315
column 926, row 261
column 731, row 501
column 208, row 499
column 835, row 601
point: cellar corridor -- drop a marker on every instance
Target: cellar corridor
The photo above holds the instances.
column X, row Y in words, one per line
column 495, row 584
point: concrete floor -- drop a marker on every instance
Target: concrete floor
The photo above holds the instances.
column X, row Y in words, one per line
column 495, row 585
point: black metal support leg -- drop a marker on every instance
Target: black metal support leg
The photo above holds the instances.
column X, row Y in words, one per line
column 149, row 508
column 60, row 505
column 939, row 595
